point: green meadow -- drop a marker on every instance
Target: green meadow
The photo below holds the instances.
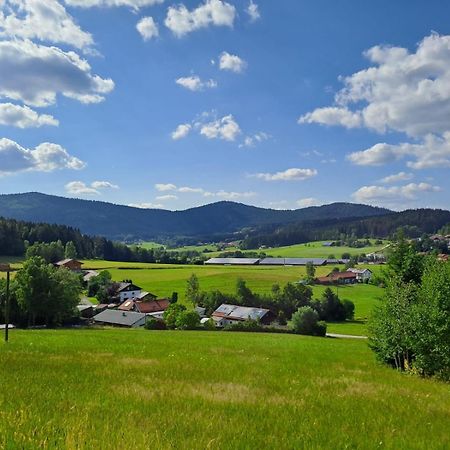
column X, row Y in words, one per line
column 137, row 389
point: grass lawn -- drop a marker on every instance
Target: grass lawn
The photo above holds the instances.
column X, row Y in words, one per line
column 136, row 389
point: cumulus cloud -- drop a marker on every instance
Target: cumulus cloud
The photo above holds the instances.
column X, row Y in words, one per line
column 401, row 91
column 146, row 205
column 167, row 197
column 432, row 152
column 394, row 195
column 80, row 188
column 35, row 74
column 181, row 21
column 46, row 157
column 232, row 63
column 103, row 185
column 181, row 131
column 225, row 195
column 47, row 21
column 253, row 11
column 225, row 128
column 190, row 190
column 24, row 117
column 147, row 28
column 309, row 201
column 293, row 174
column 165, row 187
column 194, row 83
column 134, row 4
column 396, row 177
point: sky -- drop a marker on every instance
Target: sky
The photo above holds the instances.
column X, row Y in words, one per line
column 287, row 104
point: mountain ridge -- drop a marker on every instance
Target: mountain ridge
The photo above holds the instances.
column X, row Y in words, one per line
column 123, row 222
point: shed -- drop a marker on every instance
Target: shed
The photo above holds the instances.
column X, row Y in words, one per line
column 71, row 264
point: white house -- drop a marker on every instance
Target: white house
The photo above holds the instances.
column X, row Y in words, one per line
column 127, row 291
column 362, row 275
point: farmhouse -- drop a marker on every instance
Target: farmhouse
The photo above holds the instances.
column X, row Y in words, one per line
column 228, row 314
column 338, row 278
column 362, row 275
column 153, row 306
column 127, row 290
column 71, row 264
column 120, row 318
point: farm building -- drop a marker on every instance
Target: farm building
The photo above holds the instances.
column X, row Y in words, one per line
column 292, row 261
column 153, row 306
column 228, row 314
column 126, row 291
column 145, row 296
column 71, row 264
column 338, row 278
column 362, row 275
column 88, row 274
column 232, row 261
column 120, row 318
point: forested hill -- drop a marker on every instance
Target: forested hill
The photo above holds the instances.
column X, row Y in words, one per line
column 414, row 223
column 205, row 222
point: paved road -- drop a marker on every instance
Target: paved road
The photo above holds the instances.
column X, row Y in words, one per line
column 345, row 336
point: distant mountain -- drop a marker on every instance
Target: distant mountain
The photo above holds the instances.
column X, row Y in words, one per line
column 204, row 222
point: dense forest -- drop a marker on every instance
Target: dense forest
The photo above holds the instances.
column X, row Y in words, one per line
column 414, row 223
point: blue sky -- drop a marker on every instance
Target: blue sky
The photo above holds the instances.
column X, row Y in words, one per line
column 277, row 104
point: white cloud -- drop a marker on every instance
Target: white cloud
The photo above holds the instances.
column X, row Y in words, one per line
column 401, row 91
column 251, row 141
column 224, row 195
column 333, row 115
column 212, row 12
column 225, row 128
column 35, row 74
column 147, row 28
column 194, row 83
column 47, row 21
column 309, row 201
column 181, row 132
column 253, row 11
column 104, row 185
column 190, row 190
column 394, row 195
column 80, row 188
column 161, row 187
column 46, row 157
column 24, row 117
column 146, row 205
column 232, row 63
column 293, row 174
column 167, row 197
column 432, row 152
column 134, row 4
column 394, row 178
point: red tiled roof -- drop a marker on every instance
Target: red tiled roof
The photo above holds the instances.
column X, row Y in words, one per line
column 153, row 305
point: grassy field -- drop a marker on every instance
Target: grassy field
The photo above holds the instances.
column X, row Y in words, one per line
column 136, row 389
column 308, row 250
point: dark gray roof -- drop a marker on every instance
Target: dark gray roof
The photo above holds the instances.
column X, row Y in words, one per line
column 292, row 261
column 233, row 261
column 114, row 317
column 125, row 286
column 240, row 312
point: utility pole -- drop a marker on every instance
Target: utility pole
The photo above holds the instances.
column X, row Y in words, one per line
column 6, row 268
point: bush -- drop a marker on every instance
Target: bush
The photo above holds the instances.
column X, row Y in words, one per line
column 306, row 321
column 210, row 325
column 247, row 325
column 349, row 309
column 171, row 314
column 155, row 324
column 187, row 320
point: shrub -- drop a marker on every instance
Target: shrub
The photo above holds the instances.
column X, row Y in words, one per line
column 306, row 321
column 155, row 324
column 187, row 320
column 247, row 325
column 349, row 309
column 210, row 325
column 171, row 314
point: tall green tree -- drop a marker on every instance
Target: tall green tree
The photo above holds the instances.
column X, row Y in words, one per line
column 193, row 289
column 70, row 251
column 310, row 271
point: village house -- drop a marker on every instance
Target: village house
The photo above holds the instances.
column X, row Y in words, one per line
column 362, row 275
column 154, row 308
column 228, row 314
column 71, row 264
column 127, row 319
column 338, row 278
column 126, row 291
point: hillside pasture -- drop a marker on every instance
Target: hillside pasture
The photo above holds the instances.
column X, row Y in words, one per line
column 137, row 389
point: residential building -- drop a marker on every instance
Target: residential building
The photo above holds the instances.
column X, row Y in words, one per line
column 228, row 314
column 71, row 264
column 127, row 319
column 362, row 275
column 127, row 291
column 338, row 278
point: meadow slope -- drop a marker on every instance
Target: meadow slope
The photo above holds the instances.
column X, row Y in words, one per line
column 136, row 389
